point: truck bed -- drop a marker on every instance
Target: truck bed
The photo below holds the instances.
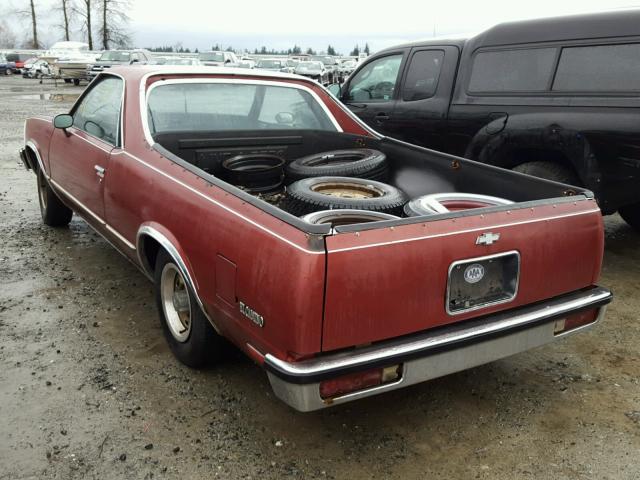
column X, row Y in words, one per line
column 551, row 229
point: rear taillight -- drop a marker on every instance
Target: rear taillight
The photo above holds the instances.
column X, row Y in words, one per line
column 575, row 320
column 354, row 382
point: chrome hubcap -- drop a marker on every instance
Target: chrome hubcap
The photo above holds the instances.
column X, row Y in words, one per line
column 175, row 302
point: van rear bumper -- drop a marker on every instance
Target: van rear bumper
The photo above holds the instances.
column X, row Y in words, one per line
column 436, row 352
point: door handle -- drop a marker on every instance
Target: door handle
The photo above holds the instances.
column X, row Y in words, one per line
column 381, row 117
column 99, row 171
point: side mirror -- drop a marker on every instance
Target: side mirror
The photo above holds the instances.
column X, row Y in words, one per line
column 335, row 89
column 227, row 61
column 94, row 129
column 63, row 121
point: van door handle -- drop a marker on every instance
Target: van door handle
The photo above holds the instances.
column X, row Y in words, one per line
column 99, row 171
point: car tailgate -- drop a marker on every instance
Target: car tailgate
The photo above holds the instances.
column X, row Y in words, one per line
column 387, row 282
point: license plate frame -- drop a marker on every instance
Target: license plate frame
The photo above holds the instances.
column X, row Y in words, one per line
column 480, row 282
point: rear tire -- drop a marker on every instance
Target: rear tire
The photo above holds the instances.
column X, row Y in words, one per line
column 550, row 171
column 631, row 215
column 54, row 212
column 187, row 330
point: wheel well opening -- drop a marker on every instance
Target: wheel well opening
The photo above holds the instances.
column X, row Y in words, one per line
column 33, row 159
column 524, row 155
column 150, row 250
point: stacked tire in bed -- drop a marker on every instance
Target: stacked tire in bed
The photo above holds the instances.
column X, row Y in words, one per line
column 341, row 187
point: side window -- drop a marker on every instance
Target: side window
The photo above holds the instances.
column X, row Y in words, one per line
column 376, row 81
column 603, row 68
column 422, row 75
column 521, row 70
column 99, row 112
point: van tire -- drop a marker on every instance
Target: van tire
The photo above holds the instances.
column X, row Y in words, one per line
column 549, row 171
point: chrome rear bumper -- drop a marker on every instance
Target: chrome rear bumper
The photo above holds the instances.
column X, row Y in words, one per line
column 433, row 353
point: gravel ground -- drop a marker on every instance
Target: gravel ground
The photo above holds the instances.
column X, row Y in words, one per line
column 88, row 388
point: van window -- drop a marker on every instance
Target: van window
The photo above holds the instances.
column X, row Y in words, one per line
column 612, row 68
column 423, row 74
column 521, row 70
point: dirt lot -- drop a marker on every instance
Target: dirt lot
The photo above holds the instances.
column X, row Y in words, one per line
column 88, row 388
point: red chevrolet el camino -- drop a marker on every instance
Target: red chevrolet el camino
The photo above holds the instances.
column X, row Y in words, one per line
column 345, row 263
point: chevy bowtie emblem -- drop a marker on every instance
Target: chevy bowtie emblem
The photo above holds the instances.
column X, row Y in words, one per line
column 487, row 238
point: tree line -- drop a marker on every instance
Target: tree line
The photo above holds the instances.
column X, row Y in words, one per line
column 295, row 50
column 103, row 23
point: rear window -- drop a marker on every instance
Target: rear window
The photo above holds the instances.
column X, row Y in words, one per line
column 521, row 70
column 612, row 68
column 233, row 106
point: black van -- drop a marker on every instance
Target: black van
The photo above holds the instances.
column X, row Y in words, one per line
column 558, row 98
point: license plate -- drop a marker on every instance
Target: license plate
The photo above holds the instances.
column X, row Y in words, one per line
column 480, row 282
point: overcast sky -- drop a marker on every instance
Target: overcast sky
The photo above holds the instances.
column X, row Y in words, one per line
column 342, row 23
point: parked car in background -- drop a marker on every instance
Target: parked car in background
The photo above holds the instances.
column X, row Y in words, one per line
column 112, row 58
column 275, row 65
column 19, row 60
column 315, row 70
column 69, row 60
column 172, row 60
column 330, row 291
column 556, row 98
column 331, row 66
column 4, row 64
column 218, row 59
column 247, row 62
column 346, row 67
column 36, row 68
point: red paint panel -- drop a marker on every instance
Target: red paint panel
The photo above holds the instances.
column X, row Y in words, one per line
column 226, row 280
column 385, row 283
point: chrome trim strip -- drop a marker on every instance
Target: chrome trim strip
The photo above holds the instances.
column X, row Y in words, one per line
column 219, row 204
column 98, row 146
column 480, row 259
column 145, row 92
column 33, row 147
column 97, row 218
column 146, row 231
column 456, row 232
column 78, row 202
column 395, row 351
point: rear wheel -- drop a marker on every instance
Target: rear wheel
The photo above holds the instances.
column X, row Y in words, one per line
column 631, row 215
column 189, row 334
column 54, row 212
column 550, row 171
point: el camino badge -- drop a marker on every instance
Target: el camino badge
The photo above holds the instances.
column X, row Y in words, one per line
column 474, row 273
column 487, row 238
column 251, row 314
